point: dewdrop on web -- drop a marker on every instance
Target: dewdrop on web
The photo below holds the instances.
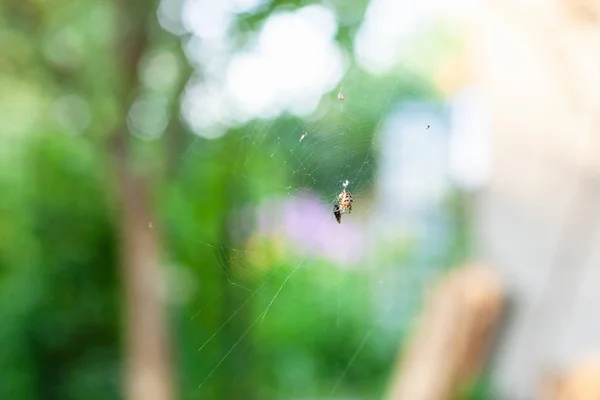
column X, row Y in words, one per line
column 303, row 136
column 340, row 96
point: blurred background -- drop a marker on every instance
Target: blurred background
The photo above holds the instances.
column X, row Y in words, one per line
column 168, row 171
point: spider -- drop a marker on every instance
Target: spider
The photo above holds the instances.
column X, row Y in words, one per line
column 343, row 205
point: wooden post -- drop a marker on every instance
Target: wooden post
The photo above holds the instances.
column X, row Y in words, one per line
column 580, row 382
column 452, row 336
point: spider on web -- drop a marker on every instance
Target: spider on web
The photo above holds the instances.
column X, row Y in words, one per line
column 344, row 203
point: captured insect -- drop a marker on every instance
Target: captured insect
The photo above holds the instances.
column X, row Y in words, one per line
column 337, row 213
column 344, row 204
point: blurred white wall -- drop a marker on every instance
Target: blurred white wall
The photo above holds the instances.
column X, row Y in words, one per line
column 538, row 220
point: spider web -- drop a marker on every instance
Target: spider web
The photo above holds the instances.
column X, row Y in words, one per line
column 315, row 308
column 273, row 260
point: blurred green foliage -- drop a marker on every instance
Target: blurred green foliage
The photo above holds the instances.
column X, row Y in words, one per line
column 59, row 306
column 62, row 96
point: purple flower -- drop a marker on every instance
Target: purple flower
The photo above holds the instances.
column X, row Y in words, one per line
column 308, row 225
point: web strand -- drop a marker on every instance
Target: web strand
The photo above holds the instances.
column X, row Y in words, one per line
column 308, row 164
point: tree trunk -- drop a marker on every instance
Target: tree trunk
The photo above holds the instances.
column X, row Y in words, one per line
column 147, row 353
column 148, row 363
